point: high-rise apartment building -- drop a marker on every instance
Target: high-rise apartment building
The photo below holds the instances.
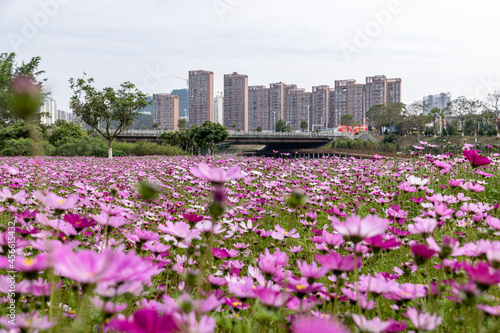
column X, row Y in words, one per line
column 201, row 94
column 219, row 109
column 439, row 101
column 259, row 114
column 357, row 99
column 297, row 106
column 276, row 101
column 49, row 111
column 320, row 108
column 393, row 91
column 183, row 102
column 236, row 101
column 375, row 91
column 331, row 109
column 349, row 99
column 166, row 111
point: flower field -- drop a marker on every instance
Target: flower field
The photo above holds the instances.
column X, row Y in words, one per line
column 227, row 244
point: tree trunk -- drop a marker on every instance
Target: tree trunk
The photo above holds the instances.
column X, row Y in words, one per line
column 110, row 149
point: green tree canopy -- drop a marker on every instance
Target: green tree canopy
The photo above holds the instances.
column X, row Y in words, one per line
column 347, row 119
column 62, row 131
column 101, row 108
column 208, row 135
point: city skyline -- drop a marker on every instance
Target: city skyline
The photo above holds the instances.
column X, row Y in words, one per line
column 432, row 46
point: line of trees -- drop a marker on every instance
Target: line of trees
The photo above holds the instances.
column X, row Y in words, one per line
column 468, row 116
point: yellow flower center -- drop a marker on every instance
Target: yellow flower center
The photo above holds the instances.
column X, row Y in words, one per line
column 300, row 287
column 237, row 304
column 60, row 201
column 28, row 261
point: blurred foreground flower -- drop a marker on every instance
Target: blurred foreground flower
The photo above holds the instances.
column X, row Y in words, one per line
column 216, row 176
column 316, row 325
column 26, row 97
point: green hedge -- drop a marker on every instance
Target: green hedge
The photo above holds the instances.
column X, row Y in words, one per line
column 88, row 146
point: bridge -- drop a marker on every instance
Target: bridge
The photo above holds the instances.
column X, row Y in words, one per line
column 272, row 140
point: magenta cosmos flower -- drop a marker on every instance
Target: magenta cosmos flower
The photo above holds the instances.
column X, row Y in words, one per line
column 216, row 175
column 145, row 321
column 356, row 229
column 475, row 159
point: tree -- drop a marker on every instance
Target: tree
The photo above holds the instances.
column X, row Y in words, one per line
column 258, row 129
column 414, row 117
column 280, row 126
column 100, row 108
column 347, row 119
column 303, row 125
column 9, row 70
column 156, row 125
column 386, row 115
column 463, row 108
column 493, row 101
column 182, row 123
column 62, row 131
column 435, row 112
column 208, row 135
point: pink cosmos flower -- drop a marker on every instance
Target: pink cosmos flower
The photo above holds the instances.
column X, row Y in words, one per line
column 336, row 263
column 377, row 243
column 242, row 288
column 108, row 307
column 493, row 222
column 423, row 321
column 6, row 195
column 484, row 174
column 373, row 325
column 145, row 321
column 441, row 211
column 482, row 275
column 271, row 263
column 281, row 233
column 317, row 325
column 193, row 218
column 455, row 182
column 423, row 226
column 51, row 200
column 407, row 187
column 216, row 175
column 356, row 228
column 37, row 161
column 492, row 310
column 29, row 322
column 475, row 159
column 449, row 247
column 311, row 271
column 32, row 265
column 271, row 297
column 421, row 253
column 88, row 267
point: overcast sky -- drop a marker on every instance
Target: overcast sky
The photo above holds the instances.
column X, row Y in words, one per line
column 433, row 45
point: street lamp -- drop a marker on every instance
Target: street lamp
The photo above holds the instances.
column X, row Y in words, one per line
column 308, row 106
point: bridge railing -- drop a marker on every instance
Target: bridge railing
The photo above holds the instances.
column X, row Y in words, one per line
column 149, row 133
